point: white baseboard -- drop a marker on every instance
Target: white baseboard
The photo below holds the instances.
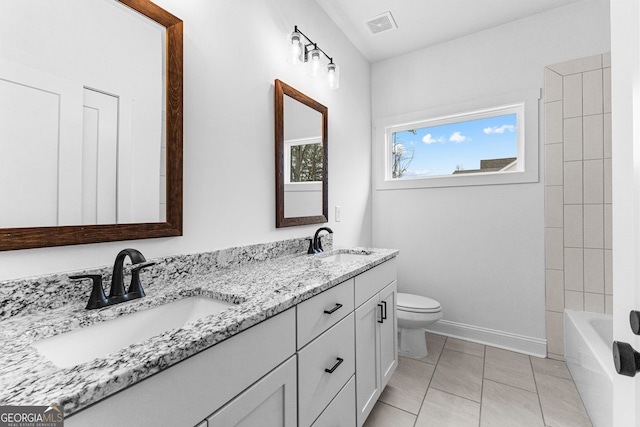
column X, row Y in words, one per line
column 508, row 341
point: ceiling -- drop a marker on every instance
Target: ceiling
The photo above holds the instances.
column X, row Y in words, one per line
column 424, row 23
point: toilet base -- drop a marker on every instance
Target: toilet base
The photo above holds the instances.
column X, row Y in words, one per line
column 412, row 343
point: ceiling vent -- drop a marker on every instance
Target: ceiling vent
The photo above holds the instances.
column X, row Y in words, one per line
column 381, row 23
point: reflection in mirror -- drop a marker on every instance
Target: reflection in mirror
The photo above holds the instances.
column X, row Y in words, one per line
column 91, row 101
column 85, row 132
column 301, row 158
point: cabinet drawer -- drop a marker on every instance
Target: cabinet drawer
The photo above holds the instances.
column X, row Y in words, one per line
column 324, row 310
column 373, row 281
column 316, row 386
column 340, row 411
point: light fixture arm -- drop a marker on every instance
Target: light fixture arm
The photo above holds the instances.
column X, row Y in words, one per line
column 308, row 51
column 310, row 43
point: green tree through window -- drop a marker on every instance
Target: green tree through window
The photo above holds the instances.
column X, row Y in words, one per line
column 306, row 163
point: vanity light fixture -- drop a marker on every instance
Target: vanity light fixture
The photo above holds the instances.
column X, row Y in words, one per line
column 308, row 52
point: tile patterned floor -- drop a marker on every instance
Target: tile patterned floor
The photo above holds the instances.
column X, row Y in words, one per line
column 461, row 383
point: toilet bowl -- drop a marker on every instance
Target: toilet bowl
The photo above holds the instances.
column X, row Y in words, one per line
column 415, row 313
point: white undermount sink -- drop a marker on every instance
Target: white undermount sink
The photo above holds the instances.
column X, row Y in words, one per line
column 346, row 257
column 98, row 340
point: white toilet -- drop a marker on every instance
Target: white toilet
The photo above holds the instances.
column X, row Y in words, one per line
column 415, row 313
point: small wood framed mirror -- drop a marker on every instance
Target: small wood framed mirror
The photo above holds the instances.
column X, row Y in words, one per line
column 301, row 128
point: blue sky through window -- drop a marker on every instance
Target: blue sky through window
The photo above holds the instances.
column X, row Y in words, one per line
column 439, row 150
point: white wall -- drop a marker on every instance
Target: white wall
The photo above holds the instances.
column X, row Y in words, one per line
column 479, row 250
column 233, row 52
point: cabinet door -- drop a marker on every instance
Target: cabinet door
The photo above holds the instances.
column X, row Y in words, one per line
column 388, row 333
column 368, row 386
column 269, row 402
column 340, row 411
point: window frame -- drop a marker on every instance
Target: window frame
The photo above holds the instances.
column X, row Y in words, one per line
column 524, row 104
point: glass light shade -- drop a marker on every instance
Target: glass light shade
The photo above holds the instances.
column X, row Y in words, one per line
column 315, row 70
column 333, row 76
column 295, row 48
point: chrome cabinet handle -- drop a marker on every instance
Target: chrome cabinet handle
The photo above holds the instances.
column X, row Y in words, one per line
column 381, row 320
column 334, row 309
column 384, row 313
column 334, row 367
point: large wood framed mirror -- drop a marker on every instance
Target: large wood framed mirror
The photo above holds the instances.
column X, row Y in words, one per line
column 301, row 128
column 138, row 206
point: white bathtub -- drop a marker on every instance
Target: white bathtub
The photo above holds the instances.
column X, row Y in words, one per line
column 587, row 352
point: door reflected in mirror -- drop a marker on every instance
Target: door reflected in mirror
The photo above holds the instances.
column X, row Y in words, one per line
column 301, row 158
column 91, row 113
column 81, row 107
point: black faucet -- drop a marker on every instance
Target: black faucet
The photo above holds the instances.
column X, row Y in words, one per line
column 315, row 245
column 117, row 293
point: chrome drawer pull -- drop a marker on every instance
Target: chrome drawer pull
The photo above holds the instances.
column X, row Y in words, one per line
column 330, row 371
column 334, row 309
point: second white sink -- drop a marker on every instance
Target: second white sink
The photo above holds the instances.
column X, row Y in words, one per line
column 85, row 344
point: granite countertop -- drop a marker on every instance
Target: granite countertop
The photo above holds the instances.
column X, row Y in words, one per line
column 261, row 289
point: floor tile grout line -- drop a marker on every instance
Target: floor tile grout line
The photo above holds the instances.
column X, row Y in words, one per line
column 510, row 386
column 430, row 379
column 399, row 409
column 425, row 395
column 463, row 352
column 454, row 395
column 535, row 382
column 440, row 354
column 552, row 374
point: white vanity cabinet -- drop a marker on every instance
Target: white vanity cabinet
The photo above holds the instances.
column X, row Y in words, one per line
column 376, row 335
column 323, row 363
column 188, row 392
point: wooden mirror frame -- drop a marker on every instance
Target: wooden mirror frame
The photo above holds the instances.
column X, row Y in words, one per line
column 282, row 89
column 39, row 237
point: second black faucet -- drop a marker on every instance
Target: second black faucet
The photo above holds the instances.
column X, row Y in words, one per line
column 315, row 245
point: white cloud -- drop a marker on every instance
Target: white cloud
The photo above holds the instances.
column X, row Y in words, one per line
column 501, row 129
column 458, row 137
column 429, row 139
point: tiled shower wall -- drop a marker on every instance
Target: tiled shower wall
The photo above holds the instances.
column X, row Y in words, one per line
column 577, row 191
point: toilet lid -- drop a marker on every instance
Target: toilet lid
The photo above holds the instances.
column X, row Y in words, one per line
column 417, row 303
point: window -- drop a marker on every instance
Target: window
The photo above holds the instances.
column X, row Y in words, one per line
column 491, row 145
column 463, row 146
column 303, row 160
